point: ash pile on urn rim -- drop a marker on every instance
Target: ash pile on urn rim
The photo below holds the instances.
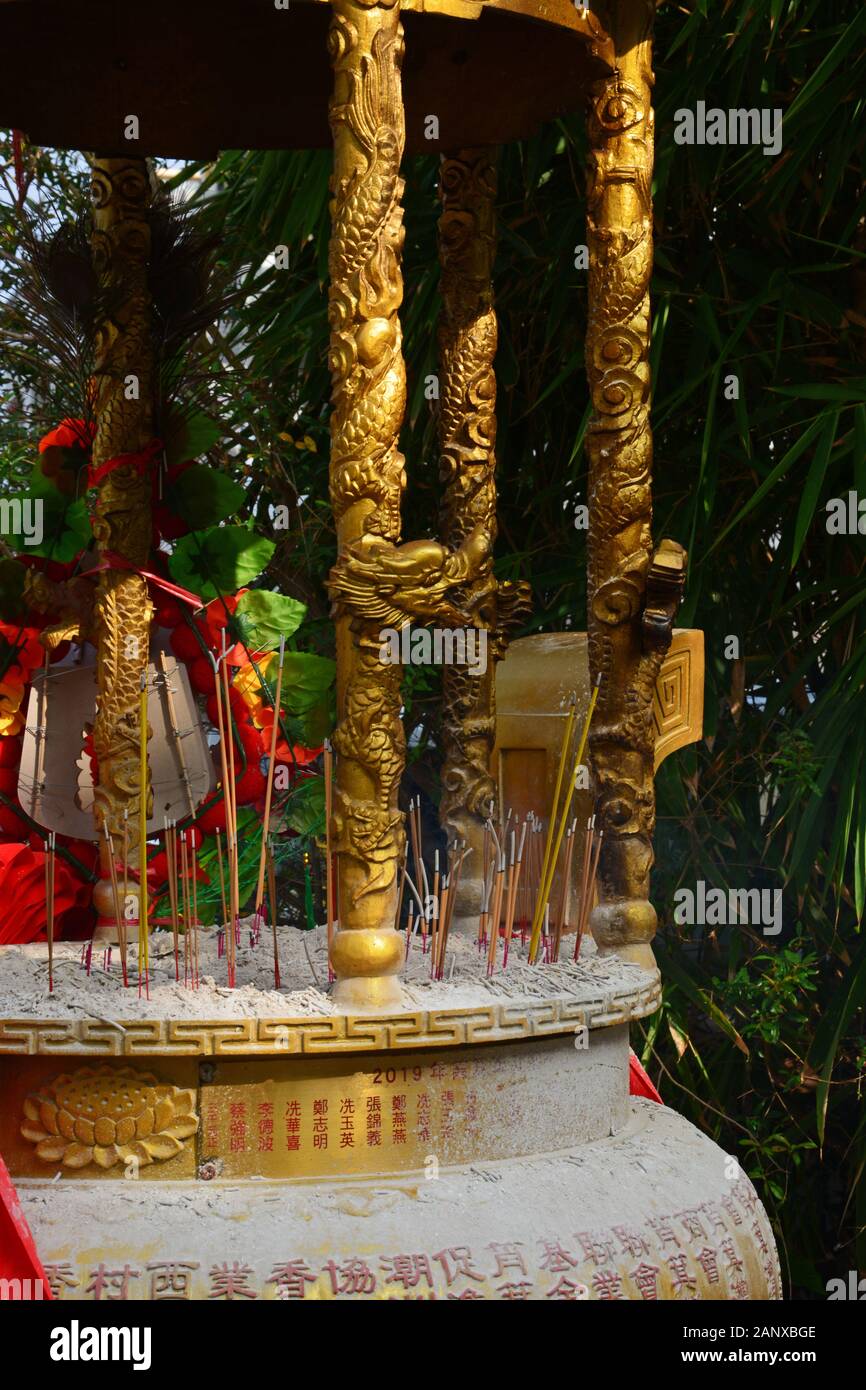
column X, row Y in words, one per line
column 304, row 989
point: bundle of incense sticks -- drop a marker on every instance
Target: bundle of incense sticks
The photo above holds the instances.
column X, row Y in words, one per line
column 591, row 855
column 269, row 787
column 561, row 921
column 513, row 888
column 227, row 767
column 444, row 911
column 170, row 828
column 119, row 911
column 560, row 817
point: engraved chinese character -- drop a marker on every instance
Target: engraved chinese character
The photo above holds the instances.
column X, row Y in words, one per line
column 682, row 1279
column 60, row 1276
column 646, row 1278
column 457, row 1263
column 353, row 1276
column 112, row 1284
column 407, row 1270
column 555, row 1259
column 507, row 1256
column 171, row 1279
column 292, row 1278
column 230, row 1281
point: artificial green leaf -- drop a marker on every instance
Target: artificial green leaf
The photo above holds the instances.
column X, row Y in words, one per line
column 202, row 496
column 220, row 560
column 306, row 677
column 305, row 809
column 61, row 524
column 263, row 617
column 189, row 435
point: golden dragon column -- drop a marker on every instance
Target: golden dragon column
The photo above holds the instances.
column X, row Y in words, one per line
column 633, row 591
column 123, row 409
column 377, row 585
column 467, row 471
column 366, row 481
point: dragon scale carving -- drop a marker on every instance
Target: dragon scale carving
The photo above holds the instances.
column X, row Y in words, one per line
column 467, row 438
column 633, row 591
column 122, row 523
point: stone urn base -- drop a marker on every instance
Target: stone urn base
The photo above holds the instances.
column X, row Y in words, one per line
column 489, row 1150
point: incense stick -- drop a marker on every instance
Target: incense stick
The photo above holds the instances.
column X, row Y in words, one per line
column 272, row 894
column 275, row 728
column 329, row 862
column 547, row 880
column 171, row 857
column 227, row 802
column 143, row 946
column 49, row 904
column 221, row 874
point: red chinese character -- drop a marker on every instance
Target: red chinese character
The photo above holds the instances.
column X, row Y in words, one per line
column 292, row 1279
column 507, row 1257
column 693, row 1224
column 709, row 1263
column 568, row 1289
column 407, row 1270
column 595, row 1247
column 555, row 1258
column 631, row 1241
column 171, row 1279
column 646, row 1277
column 230, row 1283
column 352, row 1277
column 607, row 1284
column 457, row 1262
column 512, row 1292
column 664, row 1230
column 103, row 1280
column 679, row 1267
column 60, row 1276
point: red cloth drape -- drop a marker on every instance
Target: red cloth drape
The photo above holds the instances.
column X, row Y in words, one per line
column 639, row 1083
column 18, row 1257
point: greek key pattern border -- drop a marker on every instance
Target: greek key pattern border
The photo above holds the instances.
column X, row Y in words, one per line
column 325, row 1034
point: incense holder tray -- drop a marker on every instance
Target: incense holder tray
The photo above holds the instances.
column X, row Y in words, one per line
column 483, row 1151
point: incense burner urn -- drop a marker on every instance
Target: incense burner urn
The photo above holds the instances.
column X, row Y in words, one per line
column 484, row 1149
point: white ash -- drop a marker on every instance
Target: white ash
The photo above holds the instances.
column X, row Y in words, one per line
column 304, row 988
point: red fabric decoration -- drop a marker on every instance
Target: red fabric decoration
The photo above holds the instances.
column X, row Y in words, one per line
column 18, row 1256
column 22, row 903
column 69, row 434
column 140, row 461
column 639, row 1083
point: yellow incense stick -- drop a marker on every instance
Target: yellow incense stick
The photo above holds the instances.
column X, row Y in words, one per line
column 544, row 891
column 560, row 773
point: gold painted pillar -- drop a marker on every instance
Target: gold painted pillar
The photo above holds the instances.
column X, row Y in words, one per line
column 467, row 471
column 467, row 463
column 633, row 591
column 366, row 482
column 123, row 409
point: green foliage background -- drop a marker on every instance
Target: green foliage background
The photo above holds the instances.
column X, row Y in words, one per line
column 760, row 273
